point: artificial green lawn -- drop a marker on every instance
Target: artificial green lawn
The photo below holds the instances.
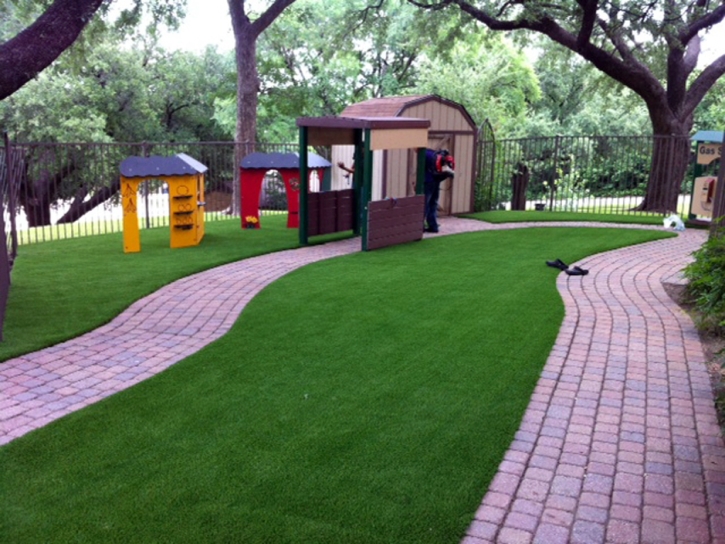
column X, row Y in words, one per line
column 365, row 399
column 64, row 288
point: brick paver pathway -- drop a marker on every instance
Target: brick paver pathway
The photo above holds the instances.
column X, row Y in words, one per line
column 620, row 442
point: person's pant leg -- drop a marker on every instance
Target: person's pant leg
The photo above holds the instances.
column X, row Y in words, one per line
column 432, row 193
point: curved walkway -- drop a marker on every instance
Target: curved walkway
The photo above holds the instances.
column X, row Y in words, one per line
column 620, row 441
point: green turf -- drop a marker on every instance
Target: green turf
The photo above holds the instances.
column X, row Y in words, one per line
column 365, row 399
column 64, row 288
column 503, row 216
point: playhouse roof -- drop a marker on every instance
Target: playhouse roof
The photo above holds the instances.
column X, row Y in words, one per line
column 386, row 132
column 277, row 161
column 714, row 136
column 395, row 106
column 157, row 166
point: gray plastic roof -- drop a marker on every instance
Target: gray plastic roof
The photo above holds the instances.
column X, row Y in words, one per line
column 707, row 136
column 148, row 167
column 276, row 161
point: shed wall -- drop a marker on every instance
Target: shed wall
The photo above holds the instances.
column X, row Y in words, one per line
column 442, row 117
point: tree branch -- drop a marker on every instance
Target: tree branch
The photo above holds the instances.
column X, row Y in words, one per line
column 79, row 207
column 703, row 83
column 589, row 17
column 36, row 47
column 268, row 17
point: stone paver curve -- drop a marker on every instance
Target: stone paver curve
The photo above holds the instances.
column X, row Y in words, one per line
column 620, row 441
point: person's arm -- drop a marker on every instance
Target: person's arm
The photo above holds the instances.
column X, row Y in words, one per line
column 350, row 170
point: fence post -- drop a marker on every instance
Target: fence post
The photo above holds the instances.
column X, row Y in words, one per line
column 4, row 258
column 145, row 153
column 13, row 184
column 557, row 144
column 718, row 206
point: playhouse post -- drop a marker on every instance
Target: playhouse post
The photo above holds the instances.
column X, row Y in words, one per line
column 718, row 208
column 304, row 183
column 357, row 180
column 129, row 200
column 367, row 184
column 420, row 172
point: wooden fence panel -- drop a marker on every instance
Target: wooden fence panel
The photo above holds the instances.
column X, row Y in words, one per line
column 395, row 221
column 331, row 211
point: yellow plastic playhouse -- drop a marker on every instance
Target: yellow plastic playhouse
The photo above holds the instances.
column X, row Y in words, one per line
column 185, row 179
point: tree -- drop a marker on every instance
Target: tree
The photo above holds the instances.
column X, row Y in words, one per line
column 487, row 76
column 651, row 48
column 36, row 47
column 363, row 53
column 578, row 100
column 115, row 95
column 246, row 33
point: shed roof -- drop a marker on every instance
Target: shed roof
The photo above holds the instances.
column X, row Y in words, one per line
column 277, row 161
column 395, row 106
column 144, row 167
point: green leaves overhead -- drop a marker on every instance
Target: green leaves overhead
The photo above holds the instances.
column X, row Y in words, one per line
column 117, row 94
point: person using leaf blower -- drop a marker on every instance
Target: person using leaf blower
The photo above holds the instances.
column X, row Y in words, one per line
column 439, row 166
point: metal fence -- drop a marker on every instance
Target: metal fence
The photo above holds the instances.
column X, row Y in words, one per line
column 603, row 174
column 71, row 190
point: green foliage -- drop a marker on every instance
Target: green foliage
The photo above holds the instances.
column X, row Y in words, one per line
column 362, row 53
column 485, row 74
column 577, row 100
column 121, row 95
column 706, row 287
column 710, row 114
column 568, row 187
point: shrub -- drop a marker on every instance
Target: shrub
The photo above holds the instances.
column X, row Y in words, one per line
column 706, row 287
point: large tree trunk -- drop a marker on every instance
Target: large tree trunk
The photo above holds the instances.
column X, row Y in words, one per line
column 35, row 199
column 670, row 157
column 79, row 207
column 246, row 33
column 31, row 51
column 247, row 90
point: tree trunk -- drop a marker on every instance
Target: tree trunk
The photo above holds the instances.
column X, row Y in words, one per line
column 670, row 157
column 519, row 184
column 79, row 207
column 247, row 90
column 37, row 205
column 246, row 33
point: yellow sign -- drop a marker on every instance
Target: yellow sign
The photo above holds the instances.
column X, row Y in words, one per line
column 706, row 153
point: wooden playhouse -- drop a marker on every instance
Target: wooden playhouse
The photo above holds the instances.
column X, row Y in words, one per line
column 394, row 176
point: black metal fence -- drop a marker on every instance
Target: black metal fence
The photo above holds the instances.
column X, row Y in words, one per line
column 70, row 190
column 607, row 174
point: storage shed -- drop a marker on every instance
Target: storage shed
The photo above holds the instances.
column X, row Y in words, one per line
column 451, row 128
